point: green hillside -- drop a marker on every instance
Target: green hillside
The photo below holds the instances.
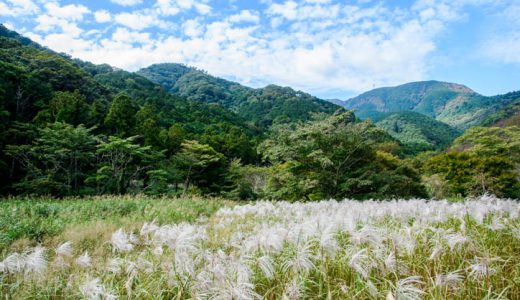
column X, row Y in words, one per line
column 450, row 103
column 39, row 87
column 417, row 132
column 508, row 115
column 262, row 107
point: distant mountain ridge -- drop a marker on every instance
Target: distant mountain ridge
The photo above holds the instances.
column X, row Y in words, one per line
column 262, row 107
column 451, row 103
column 417, row 132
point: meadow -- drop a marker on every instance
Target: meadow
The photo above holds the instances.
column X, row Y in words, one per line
column 160, row 248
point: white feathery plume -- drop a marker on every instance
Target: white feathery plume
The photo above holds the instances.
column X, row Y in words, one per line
column 496, row 224
column 35, row 261
column 93, row 290
column 407, row 288
column 121, row 241
column 266, row 265
column 148, row 228
column 436, row 252
column 390, row 262
column 328, row 243
column 455, row 240
column 14, row 263
column 451, row 280
column 516, row 233
column 301, row 261
column 144, row 265
column 84, row 260
column 114, row 265
column 64, row 249
column 371, row 288
column 481, row 269
column 359, row 262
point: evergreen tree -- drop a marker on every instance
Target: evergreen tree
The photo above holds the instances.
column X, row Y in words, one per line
column 121, row 115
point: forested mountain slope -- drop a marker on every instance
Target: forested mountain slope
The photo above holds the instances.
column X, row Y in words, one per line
column 39, row 87
column 262, row 107
column 417, row 131
column 451, row 103
column 508, row 115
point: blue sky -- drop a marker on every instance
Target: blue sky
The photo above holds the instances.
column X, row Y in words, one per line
column 332, row 49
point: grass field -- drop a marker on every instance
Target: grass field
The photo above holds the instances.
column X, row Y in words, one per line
column 217, row 249
column 29, row 221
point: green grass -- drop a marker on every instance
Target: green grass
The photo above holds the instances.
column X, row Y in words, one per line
column 41, row 220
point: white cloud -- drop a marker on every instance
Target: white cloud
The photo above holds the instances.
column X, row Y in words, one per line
column 102, row 16
column 245, row 16
column 287, row 10
column 192, row 28
column 17, row 8
column 173, row 7
column 48, row 24
column 323, row 45
column 139, row 20
column 127, row 2
column 123, row 35
column 72, row 12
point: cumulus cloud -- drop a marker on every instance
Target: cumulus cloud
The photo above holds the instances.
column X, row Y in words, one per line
column 313, row 45
column 102, row 16
column 17, row 8
column 173, row 7
column 139, row 20
column 245, row 16
column 127, row 2
column 72, row 12
column 192, row 28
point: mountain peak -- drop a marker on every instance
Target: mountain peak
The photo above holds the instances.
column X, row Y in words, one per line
column 452, row 103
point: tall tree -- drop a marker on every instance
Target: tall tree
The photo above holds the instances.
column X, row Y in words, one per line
column 121, row 161
column 58, row 161
column 201, row 165
column 121, row 115
column 333, row 157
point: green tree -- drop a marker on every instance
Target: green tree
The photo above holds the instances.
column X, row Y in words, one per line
column 201, row 166
column 147, row 125
column 491, row 141
column 334, row 157
column 121, row 115
column 69, row 108
column 58, row 161
column 469, row 174
column 172, row 138
column 482, row 160
column 231, row 141
column 121, row 162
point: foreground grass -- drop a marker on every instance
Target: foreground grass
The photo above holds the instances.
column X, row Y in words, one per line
column 277, row 250
column 87, row 221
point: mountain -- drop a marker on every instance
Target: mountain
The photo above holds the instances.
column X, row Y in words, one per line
column 417, row 132
column 262, row 107
column 453, row 104
column 508, row 115
column 33, row 78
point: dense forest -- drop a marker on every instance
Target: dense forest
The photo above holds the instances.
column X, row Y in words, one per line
column 69, row 127
column 261, row 107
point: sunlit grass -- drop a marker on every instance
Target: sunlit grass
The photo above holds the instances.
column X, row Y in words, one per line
column 277, row 250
